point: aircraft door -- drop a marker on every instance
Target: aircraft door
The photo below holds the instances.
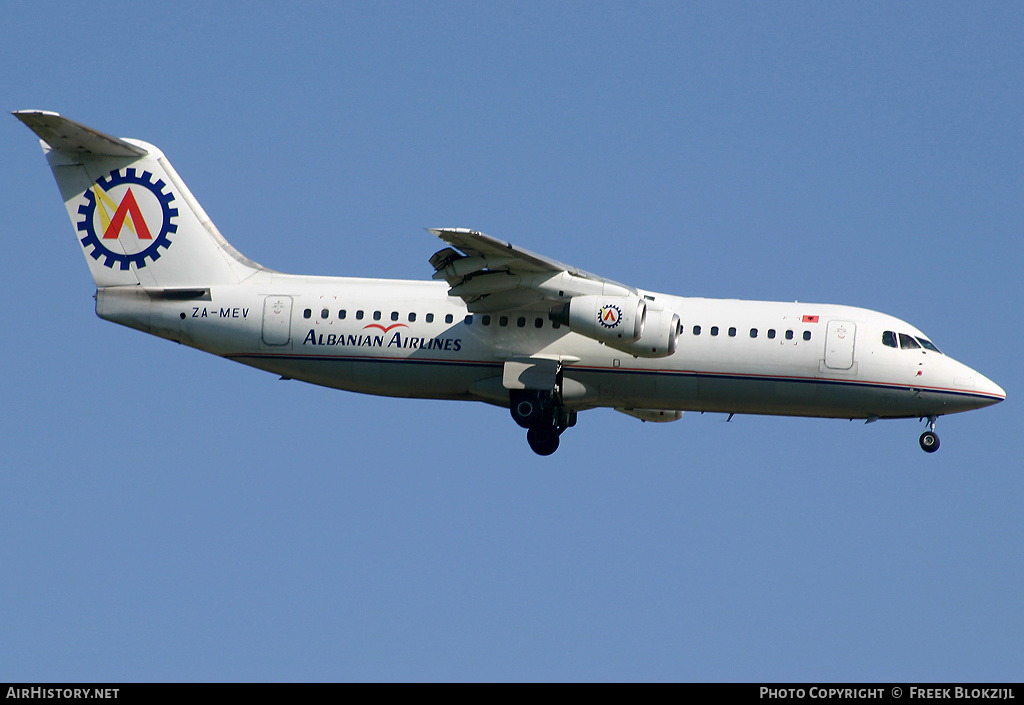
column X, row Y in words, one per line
column 839, row 340
column 277, row 320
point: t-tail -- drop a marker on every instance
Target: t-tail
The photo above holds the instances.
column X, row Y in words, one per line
column 136, row 221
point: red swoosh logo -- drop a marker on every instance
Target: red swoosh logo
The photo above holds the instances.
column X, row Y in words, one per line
column 378, row 325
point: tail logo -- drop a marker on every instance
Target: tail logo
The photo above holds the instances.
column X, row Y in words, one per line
column 126, row 219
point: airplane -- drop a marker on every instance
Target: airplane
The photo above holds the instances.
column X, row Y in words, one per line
column 497, row 324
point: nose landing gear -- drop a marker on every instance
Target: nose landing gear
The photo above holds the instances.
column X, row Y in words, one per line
column 929, row 440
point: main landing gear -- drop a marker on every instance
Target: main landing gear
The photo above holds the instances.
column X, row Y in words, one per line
column 543, row 417
column 543, row 440
column 929, row 440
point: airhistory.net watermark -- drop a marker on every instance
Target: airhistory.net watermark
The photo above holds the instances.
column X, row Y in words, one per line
column 62, row 693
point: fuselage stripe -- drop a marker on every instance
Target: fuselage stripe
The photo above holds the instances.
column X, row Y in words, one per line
column 825, row 381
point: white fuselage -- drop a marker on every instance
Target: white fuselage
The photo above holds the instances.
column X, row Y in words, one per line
column 497, row 324
column 411, row 339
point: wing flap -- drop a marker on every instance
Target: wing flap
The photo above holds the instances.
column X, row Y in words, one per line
column 472, row 242
column 492, row 275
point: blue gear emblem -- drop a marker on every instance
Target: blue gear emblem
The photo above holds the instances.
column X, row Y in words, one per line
column 125, row 259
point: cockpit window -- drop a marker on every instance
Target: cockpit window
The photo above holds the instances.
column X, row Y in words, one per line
column 907, row 342
column 929, row 345
column 889, row 339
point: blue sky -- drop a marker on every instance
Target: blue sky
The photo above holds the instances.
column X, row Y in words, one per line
column 167, row 515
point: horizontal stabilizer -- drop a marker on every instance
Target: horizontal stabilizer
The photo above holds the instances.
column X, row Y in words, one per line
column 70, row 136
column 134, row 219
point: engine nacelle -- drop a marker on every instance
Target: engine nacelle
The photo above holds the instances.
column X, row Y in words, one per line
column 614, row 320
column 661, row 332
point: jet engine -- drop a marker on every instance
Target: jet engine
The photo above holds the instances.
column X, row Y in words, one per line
column 659, row 338
column 625, row 323
column 610, row 319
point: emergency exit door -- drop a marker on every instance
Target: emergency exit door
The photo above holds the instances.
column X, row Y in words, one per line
column 277, row 320
column 839, row 340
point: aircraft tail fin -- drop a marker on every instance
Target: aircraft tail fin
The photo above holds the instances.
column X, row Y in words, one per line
column 136, row 220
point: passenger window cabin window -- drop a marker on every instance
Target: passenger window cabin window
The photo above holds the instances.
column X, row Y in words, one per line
column 753, row 332
column 789, row 335
column 696, row 330
column 714, row 330
column 468, row 320
column 521, row 322
column 394, row 315
column 807, row 335
column 485, row 320
column 732, row 332
column 307, row 313
column 324, row 314
column 359, row 315
column 430, row 318
column 376, row 315
column 889, row 339
column 342, row 313
column 448, row 318
column 908, row 343
column 771, row 334
column 412, row 318
column 503, row 321
column 538, row 323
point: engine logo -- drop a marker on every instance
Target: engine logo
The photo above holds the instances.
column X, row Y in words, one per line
column 609, row 315
column 126, row 218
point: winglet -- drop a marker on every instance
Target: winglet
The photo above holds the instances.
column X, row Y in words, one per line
column 70, row 136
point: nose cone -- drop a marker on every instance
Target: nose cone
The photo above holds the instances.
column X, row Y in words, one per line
column 992, row 392
column 974, row 390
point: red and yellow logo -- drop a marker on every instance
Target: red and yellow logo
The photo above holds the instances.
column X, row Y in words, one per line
column 125, row 213
column 609, row 315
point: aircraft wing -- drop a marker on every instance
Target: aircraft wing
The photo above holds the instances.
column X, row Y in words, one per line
column 492, row 275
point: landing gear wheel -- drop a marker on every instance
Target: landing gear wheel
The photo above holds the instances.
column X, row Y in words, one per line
column 543, row 439
column 528, row 407
column 929, row 442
